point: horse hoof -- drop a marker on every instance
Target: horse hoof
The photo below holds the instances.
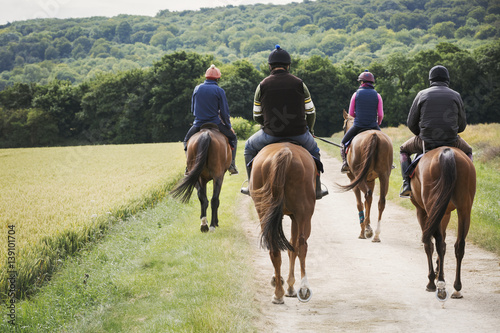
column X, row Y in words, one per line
column 376, row 240
column 457, row 295
column 362, row 236
column 368, row 233
column 278, row 300
column 304, row 295
column 291, row 293
column 441, row 293
column 212, row 229
column 204, row 228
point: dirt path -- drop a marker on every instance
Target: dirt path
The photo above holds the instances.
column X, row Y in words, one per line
column 360, row 286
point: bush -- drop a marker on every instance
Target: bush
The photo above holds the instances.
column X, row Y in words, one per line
column 244, row 128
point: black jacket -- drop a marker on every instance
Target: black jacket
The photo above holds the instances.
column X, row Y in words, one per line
column 437, row 115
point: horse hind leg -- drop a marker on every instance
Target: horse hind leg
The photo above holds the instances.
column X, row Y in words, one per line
column 384, row 186
column 304, row 294
column 368, row 207
column 214, row 203
column 361, row 213
column 463, row 229
column 277, row 281
column 202, row 196
column 292, row 256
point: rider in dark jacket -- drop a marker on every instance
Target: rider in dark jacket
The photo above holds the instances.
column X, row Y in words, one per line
column 436, row 117
column 209, row 105
column 283, row 106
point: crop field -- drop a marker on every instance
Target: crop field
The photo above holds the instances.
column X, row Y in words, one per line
column 54, row 200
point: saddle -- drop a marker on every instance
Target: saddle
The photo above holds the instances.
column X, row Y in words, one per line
column 210, row 126
column 319, row 164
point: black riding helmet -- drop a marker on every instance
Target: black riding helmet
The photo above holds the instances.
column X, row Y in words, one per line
column 439, row 73
column 279, row 56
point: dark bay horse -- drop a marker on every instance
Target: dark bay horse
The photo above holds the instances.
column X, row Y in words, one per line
column 208, row 157
column 444, row 180
column 282, row 182
column 369, row 157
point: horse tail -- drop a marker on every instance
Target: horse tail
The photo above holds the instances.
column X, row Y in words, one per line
column 270, row 198
column 185, row 188
column 370, row 153
column 442, row 191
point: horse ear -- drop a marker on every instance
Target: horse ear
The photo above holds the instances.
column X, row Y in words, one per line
column 345, row 114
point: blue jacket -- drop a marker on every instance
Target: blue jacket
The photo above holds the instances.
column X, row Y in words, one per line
column 209, row 104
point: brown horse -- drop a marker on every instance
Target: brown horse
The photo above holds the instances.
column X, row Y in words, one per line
column 208, row 157
column 369, row 157
column 282, row 182
column 444, row 180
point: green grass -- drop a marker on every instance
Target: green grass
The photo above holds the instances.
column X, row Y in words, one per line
column 153, row 272
column 485, row 141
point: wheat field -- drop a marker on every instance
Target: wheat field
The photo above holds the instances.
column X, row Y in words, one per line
column 53, row 200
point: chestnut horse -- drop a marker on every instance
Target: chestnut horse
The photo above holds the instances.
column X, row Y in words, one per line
column 444, row 180
column 369, row 157
column 208, row 158
column 283, row 182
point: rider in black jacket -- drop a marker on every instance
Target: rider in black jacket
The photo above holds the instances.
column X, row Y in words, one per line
column 436, row 117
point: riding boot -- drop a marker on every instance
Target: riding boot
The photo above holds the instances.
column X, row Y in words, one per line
column 405, row 188
column 248, row 159
column 345, row 167
column 320, row 193
column 232, row 168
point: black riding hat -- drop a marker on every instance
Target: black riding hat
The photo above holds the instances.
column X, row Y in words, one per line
column 439, row 73
column 279, row 56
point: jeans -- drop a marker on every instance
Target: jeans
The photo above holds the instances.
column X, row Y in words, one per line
column 261, row 139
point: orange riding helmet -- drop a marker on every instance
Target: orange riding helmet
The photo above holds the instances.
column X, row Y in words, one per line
column 213, row 73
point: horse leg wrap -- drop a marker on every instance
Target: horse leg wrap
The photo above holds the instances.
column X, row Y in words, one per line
column 361, row 217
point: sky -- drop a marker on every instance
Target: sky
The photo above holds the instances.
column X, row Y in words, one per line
column 18, row 10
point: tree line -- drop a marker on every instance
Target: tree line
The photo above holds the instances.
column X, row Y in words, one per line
column 363, row 31
column 153, row 104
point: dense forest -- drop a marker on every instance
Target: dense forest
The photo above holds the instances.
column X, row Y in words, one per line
column 129, row 78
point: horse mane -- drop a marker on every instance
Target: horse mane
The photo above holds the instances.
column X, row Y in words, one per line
column 188, row 183
column 270, row 198
column 441, row 193
column 370, row 152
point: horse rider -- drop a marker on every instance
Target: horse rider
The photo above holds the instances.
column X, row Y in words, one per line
column 284, row 108
column 209, row 105
column 436, row 117
column 367, row 109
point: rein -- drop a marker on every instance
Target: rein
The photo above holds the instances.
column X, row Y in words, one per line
column 330, row 142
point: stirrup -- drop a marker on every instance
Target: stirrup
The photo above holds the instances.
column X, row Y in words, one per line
column 345, row 168
column 406, row 194
column 245, row 190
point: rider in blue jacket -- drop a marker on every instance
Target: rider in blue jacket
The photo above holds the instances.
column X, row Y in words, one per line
column 209, row 105
column 367, row 108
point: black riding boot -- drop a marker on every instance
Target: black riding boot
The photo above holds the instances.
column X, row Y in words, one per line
column 248, row 159
column 320, row 193
column 232, row 168
column 405, row 188
column 345, row 167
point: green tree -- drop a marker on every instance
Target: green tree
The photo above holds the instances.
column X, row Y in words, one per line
column 123, row 32
column 174, row 78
